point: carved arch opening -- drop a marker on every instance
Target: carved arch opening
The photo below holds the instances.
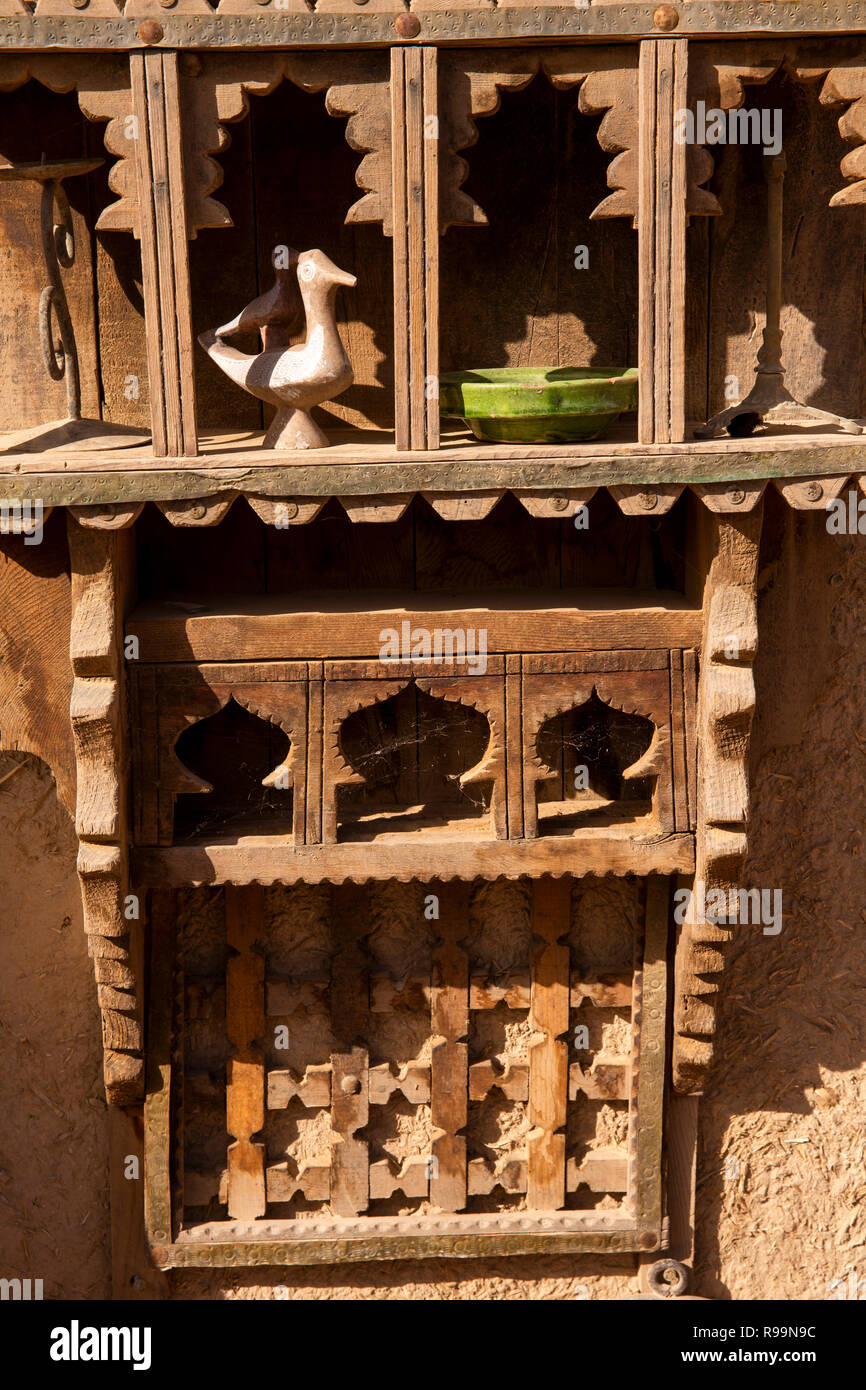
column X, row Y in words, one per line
column 601, row 766
column 215, row 93
column 721, row 76
column 471, row 86
column 103, row 87
column 418, row 758
column 236, row 775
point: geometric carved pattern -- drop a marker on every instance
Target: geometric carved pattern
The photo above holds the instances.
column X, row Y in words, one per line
column 516, row 1094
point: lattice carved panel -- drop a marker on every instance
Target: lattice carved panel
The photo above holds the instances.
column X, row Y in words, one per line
column 398, row 1070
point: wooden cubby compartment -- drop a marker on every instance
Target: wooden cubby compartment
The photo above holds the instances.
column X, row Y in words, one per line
column 290, row 181
column 822, row 256
column 510, row 294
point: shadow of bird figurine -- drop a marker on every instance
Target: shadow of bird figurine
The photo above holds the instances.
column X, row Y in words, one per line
column 277, row 314
column 294, row 379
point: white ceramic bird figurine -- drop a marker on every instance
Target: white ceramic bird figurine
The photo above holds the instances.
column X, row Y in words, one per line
column 297, row 378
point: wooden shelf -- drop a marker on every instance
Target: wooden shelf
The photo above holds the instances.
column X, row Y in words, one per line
column 273, row 859
column 366, row 463
column 335, row 625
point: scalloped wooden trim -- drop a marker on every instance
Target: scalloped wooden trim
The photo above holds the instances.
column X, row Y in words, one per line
column 471, row 85
column 215, row 91
column 104, row 94
column 722, row 84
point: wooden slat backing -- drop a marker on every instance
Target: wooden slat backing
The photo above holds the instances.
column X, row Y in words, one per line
column 548, row 1053
column 164, row 253
column 245, row 1025
column 449, row 1065
column 663, row 72
column 415, row 193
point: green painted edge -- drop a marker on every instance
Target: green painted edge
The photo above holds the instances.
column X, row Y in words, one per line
column 431, row 475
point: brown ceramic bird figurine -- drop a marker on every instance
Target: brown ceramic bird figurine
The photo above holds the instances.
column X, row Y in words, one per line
column 294, row 379
column 278, row 313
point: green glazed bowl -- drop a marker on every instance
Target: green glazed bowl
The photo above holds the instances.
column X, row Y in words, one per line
column 538, row 405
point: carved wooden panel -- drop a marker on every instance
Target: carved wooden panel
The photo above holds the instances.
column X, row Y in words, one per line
column 387, row 1093
column 721, row 74
column 215, row 92
column 388, row 753
column 471, row 84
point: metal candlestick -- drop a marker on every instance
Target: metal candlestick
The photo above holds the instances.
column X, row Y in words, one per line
column 770, row 400
column 61, row 357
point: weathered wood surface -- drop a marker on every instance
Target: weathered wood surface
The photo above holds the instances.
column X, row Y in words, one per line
column 260, row 630
column 415, row 144
column 133, row 1277
column 662, row 242
column 201, row 25
column 449, row 1062
column 89, row 482
column 590, row 852
column 548, row 1053
column 35, row 672
column 165, row 264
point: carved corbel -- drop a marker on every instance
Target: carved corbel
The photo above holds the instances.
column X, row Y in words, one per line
column 99, row 561
column 726, row 703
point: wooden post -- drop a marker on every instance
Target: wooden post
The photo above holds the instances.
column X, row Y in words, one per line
column 663, row 75
column 164, row 252
column 449, row 1061
column 245, row 1023
column 350, row 1070
column 415, row 192
column 548, row 1054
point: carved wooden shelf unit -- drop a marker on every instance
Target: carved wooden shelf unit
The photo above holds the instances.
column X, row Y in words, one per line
column 341, row 1059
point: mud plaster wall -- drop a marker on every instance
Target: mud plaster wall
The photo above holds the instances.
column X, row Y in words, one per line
column 786, row 1098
